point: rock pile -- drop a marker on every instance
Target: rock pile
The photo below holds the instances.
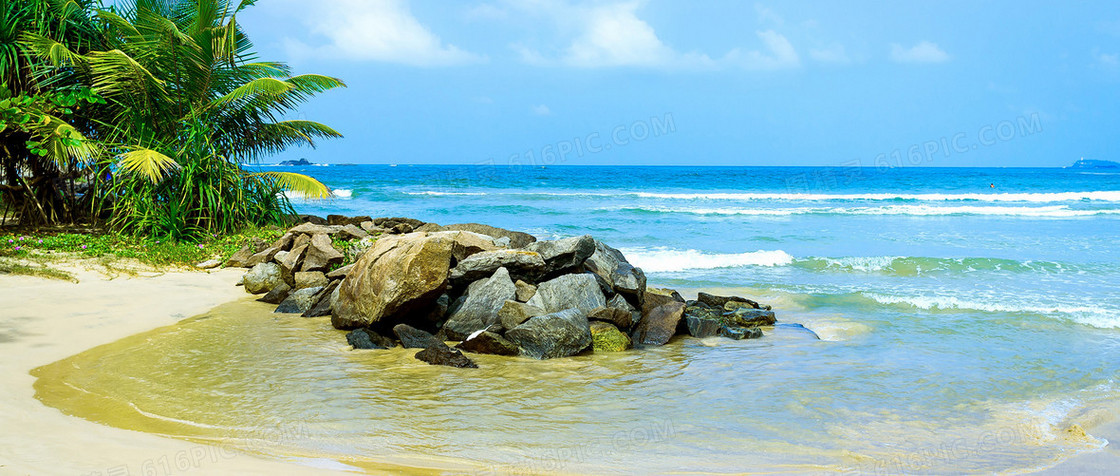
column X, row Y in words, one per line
column 493, row 291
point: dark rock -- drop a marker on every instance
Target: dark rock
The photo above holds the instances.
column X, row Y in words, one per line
column 610, row 265
column 605, row 337
column 660, row 325
column 314, row 220
column 565, row 254
column 486, row 342
column 579, row 291
column 239, row 259
column 343, row 220
column 320, row 254
column 480, row 309
column 720, row 301
column 401, row 228
column 559, row 334
column 285, row 241
column 425, row 228
column 323, row 301
column 702, row 327
column 525, row 291
column 739, row 333
column 262, row 278
column 391, row 222
column 277, row 294
column 299, row 301
column 616, row 311
column 747, row 317
column 367, row 339
column 517, row 239
column 310, row 279
column 295, row 163
column 513, row 313
column 443, row 355
column 413, row 338
column 482, row 264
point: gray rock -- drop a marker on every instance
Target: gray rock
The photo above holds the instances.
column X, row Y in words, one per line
column 660, row 325
column 278, row 294
column 513, row 313
column 610, row 265
column 323, row 301
column 579, row 291
column 343, row 220
column 486, row 342
column 702, row 327
column 291, row 259
column 739, row 333
column 480, row 309
column 312, row 229
column 262, row 278
column 479, row 265
column 517, row 239
column 564, row 254
column 367, row 339
column 301, row 240
column 747, row 317
column 310, row 279
column 443, row 355
column 559, row 334
column 616, row 311
column 320, row 254
column 525, row 291
column 263, row 256
column 209, row 264
column 413, row 338
column 299, row 301
column 352, row 232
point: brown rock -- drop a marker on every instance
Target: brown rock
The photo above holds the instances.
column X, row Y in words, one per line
column 352, row 232
column 310, row 279
column 320, row 254
column 659, row 325
column 655, row 297
column 241, row 257
column 263, row 257
column 525, row 291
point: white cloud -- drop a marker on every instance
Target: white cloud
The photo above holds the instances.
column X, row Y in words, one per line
column 1109, row 60
column 779, row 54
column 613, row 35
column 541, row 110
column 923, row 52
column 375, row 30
column 767, row 16
column 832, row 54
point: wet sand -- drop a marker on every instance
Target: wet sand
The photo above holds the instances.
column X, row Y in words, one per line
column 43, row 321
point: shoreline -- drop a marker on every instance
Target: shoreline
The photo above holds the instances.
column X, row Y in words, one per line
column 49, row 320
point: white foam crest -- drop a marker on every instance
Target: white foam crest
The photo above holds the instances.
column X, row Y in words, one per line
column 1054, row 211
column 662, row 259
column 1089, row 315
column 431, row 193
column 342, row 193
column 862, row 263
column 1040, row 197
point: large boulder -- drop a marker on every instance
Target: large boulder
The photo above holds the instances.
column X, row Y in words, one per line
column 559, row 334
column 606, row 337
column 320, row 254
column 610, row 265
column 413, row 338
column 578, row 291
column 480, row 265
column 702, row 326
column 517, row 239
column 748, row 317
column 299, row 301
column 398, row 277
column 564, row 254
column 486, row 342
column 443, row 355
column 262, row 278
column 656, row 297
column 513, row 313
column 616, row 311
column 721, row 301
column 659, row 325
column 480, row 309
column 465, row 243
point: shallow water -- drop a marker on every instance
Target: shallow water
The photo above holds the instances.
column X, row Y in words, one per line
column 963, row 329
column 287, row 386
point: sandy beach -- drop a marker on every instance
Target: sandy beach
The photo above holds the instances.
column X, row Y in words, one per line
column 47, row 320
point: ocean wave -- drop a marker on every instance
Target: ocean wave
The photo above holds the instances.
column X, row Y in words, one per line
column 1035, row 197
column 1094, row 316
column 1054, row 211
column 914, row 266
column 342, row 193
column 657, row 260
column 447, row 194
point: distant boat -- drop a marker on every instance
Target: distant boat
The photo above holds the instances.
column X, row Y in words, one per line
column 1095, row 164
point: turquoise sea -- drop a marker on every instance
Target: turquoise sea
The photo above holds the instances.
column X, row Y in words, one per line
column 982, row 298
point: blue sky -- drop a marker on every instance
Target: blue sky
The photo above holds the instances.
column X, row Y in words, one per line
column 945, row 83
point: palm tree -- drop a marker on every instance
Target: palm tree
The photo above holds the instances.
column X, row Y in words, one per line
column 188, row 105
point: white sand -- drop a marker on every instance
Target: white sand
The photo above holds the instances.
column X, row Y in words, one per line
column 43, row 321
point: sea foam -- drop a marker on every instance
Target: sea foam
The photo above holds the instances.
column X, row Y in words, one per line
column 657, row 260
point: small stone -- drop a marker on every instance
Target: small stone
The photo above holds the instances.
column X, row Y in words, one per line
column 443, row 355
column 525, row 291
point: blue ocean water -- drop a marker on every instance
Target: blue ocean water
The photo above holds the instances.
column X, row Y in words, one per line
column 955, row 303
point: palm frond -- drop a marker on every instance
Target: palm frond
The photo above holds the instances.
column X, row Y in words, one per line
column 148, row 163
column 115, row 73
column 57, row 54
column 64, row 144
column 297, row 183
